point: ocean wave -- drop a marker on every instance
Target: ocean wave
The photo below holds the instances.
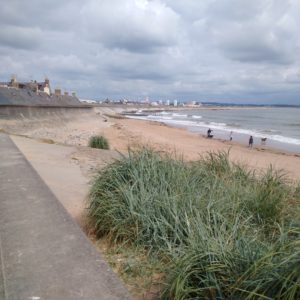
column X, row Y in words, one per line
column 179, row 115
column 284, row 139
column 272, row 131
column 164, row 113
column 196, row 117
column 181, row 122
column 274, row 137
column 294, row 124
column 217, row 124
column 234, row 125
column 159, row 118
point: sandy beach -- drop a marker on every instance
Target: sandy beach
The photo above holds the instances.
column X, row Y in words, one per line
column 56, row 146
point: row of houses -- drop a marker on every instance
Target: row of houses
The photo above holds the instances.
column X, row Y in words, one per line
column 34, row 86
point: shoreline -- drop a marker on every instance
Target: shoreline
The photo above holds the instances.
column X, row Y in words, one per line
column 191, row 145
column 223, row 140
column 275, row 142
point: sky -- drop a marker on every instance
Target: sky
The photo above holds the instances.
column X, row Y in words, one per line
column 210, row 50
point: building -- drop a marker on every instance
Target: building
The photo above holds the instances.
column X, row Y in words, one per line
column 88, row 101
column 32, row 85
column 57, row 92
column 45, row 86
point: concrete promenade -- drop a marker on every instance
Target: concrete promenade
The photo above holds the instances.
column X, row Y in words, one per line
column 43, row 252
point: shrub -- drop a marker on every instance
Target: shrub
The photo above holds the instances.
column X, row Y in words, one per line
column 98, row 141
column 214, row 222
column 246, row 269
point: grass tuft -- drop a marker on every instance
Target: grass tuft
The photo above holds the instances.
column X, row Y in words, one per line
column 99, row 141
column 220, row 230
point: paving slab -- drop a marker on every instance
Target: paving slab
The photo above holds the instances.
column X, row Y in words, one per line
column 43, row 252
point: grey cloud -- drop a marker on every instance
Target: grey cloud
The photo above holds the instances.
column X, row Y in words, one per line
column 255, row 48
column 254, row 53
column 236, row 10
column 122, row 65
column 46, row 14
column 69, row 65
column 252, row 32
column 137, row 26
column 20, row 37
column 11, row 66
column 139, row 73
column 189, row 10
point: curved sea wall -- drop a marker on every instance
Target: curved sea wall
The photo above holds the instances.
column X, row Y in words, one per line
column 15, row 112
column 25, row 97
column 38, row 121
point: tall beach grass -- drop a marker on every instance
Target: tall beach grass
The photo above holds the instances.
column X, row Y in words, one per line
column 221, row 230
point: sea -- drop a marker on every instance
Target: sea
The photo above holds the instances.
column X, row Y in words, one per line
column 280, row 126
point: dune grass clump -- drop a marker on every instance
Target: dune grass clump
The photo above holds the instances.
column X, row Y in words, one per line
column 222, row 231
column 99, row 141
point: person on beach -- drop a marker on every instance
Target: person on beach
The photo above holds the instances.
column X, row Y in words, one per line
column 209, row 133
column 230, row 136
column 251, row 141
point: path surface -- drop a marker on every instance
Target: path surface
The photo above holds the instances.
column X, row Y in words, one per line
column 43, row 252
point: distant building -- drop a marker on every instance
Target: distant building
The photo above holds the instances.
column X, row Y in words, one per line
column 44, row 86
column 3, row 84
column 13, row 82
column 192, row 104
column 87, row 101
column 34, row 86
column 57, row 92
column 175, row 103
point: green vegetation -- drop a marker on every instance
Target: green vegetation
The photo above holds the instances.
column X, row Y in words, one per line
column 98, row 141
column 220, row 230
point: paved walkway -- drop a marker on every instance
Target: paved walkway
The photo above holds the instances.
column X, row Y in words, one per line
column 43, row 253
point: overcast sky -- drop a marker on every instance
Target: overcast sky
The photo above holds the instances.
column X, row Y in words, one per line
column 210, row 50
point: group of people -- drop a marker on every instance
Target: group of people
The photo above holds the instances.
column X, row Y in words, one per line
column 209, row 135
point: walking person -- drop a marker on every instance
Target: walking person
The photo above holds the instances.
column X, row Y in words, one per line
column 251, row 141
column 209, row 135
column 230, row 136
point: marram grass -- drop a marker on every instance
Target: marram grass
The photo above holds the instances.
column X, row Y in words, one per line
column 222, row 231
column 98, row 141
